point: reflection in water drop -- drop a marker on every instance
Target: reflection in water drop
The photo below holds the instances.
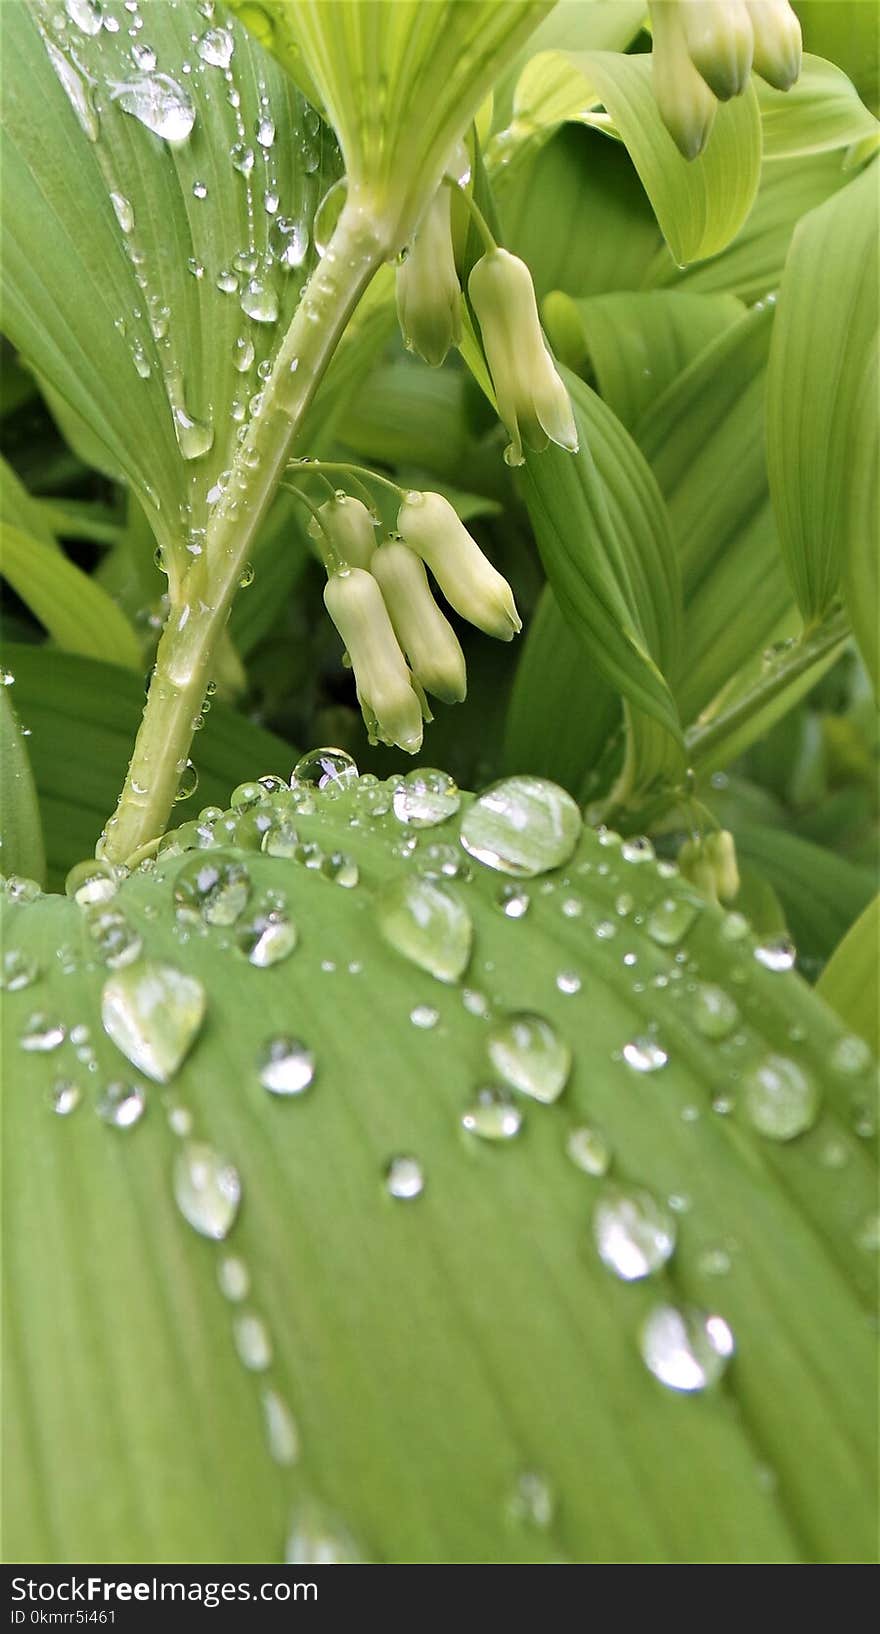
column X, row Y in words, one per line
column 686, row 1349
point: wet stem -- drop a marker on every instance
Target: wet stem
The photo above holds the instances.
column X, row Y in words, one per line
column 201, row 604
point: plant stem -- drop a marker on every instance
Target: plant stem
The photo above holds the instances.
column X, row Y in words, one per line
column 200, row 610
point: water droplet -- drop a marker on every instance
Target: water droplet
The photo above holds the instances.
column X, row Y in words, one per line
column 259, row 301
column 638, row 849
column 644, row 1055
column 18, row 970
column 714, row 1012
column 776, row 953
column 160, row 104
column 200, row 191
column 867, row 1236
column 281, row 1431
column 78, row 94
column 65, row 1097
column 246, row 576
column 568, row 982
column 122, row 1105
column 532, row 1502
column 342, row 869
column 321, row 767
column 252, row 1342
column 589, row 1150
column 522, row 826
column 685, row 1349
column 529, row 1055
column 91, row 882
column 513, row 902
column 492, row 1115
column 88, row 15
column 153, row 1013
column 634, row 1233
column 327, row 215
column 424, row 1016
column 404, row 1178
column 780, row 1100
column 265, row 131
column 670, row 921
column 215, row 887
column 194, row 438
column 850, row 1055
column 267, row 938
column 243, row 354
column 285, row 1065
column 318, row 1538
column 216, row 47
column 41, row 1035
column 207, row 1190
column 123, row 211
column 116, row 941
column 425, row 798
column 233, row 1279
column 428, row 926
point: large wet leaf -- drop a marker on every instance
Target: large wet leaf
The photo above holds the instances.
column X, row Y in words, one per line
column 21, row 841
column 158, row 231
column 850, row 979
column 441, row 1329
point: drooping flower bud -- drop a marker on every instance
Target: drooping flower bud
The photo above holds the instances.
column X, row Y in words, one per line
column 719, row 42
column 431, row 527
column 350, row 529
column 428, row 292
column 426, row 636
column 687, row 106
column 532, row 400
column 777, row 35
column 390, row 707
column 710, row 863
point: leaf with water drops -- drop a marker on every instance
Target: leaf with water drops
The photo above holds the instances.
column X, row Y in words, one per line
column 346, row 1205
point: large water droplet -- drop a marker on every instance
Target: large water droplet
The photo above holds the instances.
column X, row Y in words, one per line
column 589, row 1150
column 522, row 826
column 122, row 1105
column 160, row 104
column 425, row 798
column 91, row 881
column 259, row 301
column 321, row 767
column 207, row 1190
column 285, row 1065
column 153, row 1012
column 776, row 952
column 850, row 1055
column 780, row 1100
column 88, row 15
column 670, row 921
column 714, row 1011
column 78, row 93
column 65, row 1097
column 528, row 1054
column 318, row 1538
column 644, row 1055
column 215, row 887
column 41, row 1034
column 685, row 1349
column 427, row 925
column 492, row 1115
column 216, row 47
column 267, row 938
column 634, row 1233
column 404, row 1178
column 116, row 940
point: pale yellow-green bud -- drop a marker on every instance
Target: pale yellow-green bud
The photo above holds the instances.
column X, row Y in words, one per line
column 532, row 400
column 390, row 707
column 710, row 863
column 428, row 292
column 350, row 529
column 777, row 35
column 426, row 636
column 431, row 527
column 687, row 106
column 719, row 42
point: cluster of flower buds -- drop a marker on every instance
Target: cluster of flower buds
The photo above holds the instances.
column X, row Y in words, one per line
column 531, row 398
column 704, row 51
column 399, row 643
column 710, row 863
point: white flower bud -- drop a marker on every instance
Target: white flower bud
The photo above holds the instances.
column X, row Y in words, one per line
column 350, row 529
column 710, row 863
column 687, row 106
column 719, row 42
column 777, row 35
column 428, row 292
column 426, row 636
column 532, row 400
column 389, row 704
column 431, row 527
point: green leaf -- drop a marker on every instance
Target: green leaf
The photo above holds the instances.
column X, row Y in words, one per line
column 849, row 981
column 572, row 25
column 603, row 534
column 21, row 843
column 638, row 344
column 562, row 711
column 94, row 303
column 752, row 264
column 70, row 605
column 700, row 204
column 821, row 111
column 846, row 32
column 483, row 1301
column 82, row 718
column 861, row 525
column 822, row 894
column 817, row 391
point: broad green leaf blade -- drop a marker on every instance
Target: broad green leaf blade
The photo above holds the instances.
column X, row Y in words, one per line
column 562, row 711
column 70, row 604
column 137, row 314
column 849, row 981
column 638, row 344
column 483, row 1300
column 821, row 111
column 21, row 841
column 817, row 392
column 572, row 25
column 861, row 527
column 82, row 718
column 846, row 34
column 751, row 266
column 699, row 204
column 603, row 534
column 822, row 893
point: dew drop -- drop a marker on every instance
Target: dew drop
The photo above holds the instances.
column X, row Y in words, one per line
column 492, row 1115
column 122, row 1105
column 216, row 47
column 158, row 103
column 123, row 211
column 513, row 902
column 267, row 938
column 669, row 922
column 285, row 1065
column 779, row 1099
column 18, row 970
column 424, row 1016
column 430, row 928
column 638, row 849
column 850, row 1055
column 425, row 798
column 532, row 1502
column 252, row 1342
column 281, row 1431
column 644, row 1055
column 91, row 882
column 568, row 982
column 319, row 1538
column 115, row 940
column 687, row 1349
column 207, row 1190
column 242, row 352
column 40, row 1035
column 65, row 1097
column 634, row 1233
column 88, row 15
column 714, row 1012
column 321, row 767
column 527, row 1052
column 152, row 1013
column 214, row 887
column 522, row 826
column 404, row 1178
column 233, row 1279
column 259, row 301
column 589, row 1150
column 776, row 953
